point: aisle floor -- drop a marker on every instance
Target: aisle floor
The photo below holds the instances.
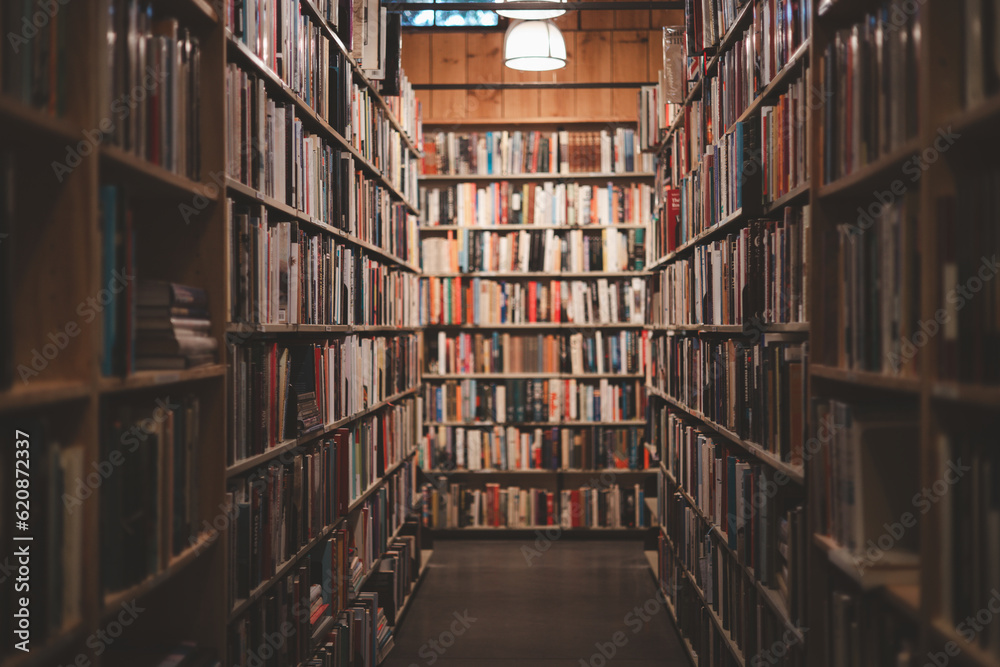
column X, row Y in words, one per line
column 556, row 611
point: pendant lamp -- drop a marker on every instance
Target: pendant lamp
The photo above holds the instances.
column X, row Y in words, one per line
column 534, row 46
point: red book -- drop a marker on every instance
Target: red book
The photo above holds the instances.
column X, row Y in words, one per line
column 556, row 302
column 574, row 508
column 532, row 301
column 551, row 507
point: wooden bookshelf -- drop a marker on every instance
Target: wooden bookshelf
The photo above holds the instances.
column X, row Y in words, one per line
column 772, row 614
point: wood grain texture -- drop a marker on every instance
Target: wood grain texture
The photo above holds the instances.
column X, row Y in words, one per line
column 561, row 103
column 484, row 59
column 629, row 59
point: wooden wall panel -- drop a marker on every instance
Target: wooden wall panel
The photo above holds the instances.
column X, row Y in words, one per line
column 448, row 56
column 593, row 48
column 629, row 60
column 484, row 61
column 602, row 46
column 416, row 57
column 561, row 103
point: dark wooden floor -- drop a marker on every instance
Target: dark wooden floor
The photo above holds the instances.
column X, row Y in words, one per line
column 482, row 604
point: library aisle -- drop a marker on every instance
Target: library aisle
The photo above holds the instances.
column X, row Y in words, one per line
column 507, row 603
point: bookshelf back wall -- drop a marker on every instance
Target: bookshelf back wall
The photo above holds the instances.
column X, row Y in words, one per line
column 629, row 52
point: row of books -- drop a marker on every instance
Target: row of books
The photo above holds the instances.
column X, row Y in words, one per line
column 879, row 279
column 761, row 519
column 524, row 448
column 376, row 521
column 754, row 388
column 750, row 628
column 784, row 140
column 866, row 625
column 755, row 275
column 294, row 502
column 153, row 100
column 312, row 611
column 551, row 251
column 35, row 68
column 494, row 506
column 150, row 502
column 147, row 324
column 407, row 109
column 287, row 273
column 375, row 138
column 547, row 203
column 576, row 353
column 482, row 301
column 870, row 89
column 707, row 21
column 969, row 245
column 518, row 401
column 290, row 43
column 972, row 517
column 688, row 143
column 398, row 570
column 533, row 152
column 281, row 392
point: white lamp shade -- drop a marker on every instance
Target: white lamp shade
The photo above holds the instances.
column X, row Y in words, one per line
column 537, row 14
column 534, row 46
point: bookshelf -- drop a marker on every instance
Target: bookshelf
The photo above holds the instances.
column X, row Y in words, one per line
column 56, row 292
column 476, row 176
column 181, row 189
column 329, row 305
column 729, row 331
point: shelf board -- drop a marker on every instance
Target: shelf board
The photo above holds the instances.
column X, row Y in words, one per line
column 972, row 653
column 531, row 376
column 793, row 196
column 866, row 378
column 980, row 120
column 112, row 602
column 565, row 275
column 875, row 172
column 535, row 326
column 794, row 473
column 516, row 228
column 538, row 176
column 377, row 484
column 159, row 378
column 260, row 459
column 270, row 329
column 867, row 578
column 39, row 394
column 152, row 179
